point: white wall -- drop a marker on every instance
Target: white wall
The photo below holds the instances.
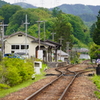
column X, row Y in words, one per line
column 15, row 40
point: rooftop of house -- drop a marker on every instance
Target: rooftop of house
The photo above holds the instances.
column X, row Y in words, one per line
column 62, row 53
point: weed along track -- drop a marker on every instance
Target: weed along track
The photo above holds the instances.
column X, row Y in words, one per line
column 59, row 87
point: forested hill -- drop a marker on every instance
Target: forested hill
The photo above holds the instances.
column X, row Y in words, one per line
column 2, row 3
column 75, row 9
column 78, row 9
column 68, row 26
column 88, row 13
column 25, row 5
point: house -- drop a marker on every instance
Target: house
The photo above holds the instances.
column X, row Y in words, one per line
column 61, row 55
column 21, row 42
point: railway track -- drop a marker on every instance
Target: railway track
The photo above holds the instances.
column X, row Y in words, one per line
column 56, row 89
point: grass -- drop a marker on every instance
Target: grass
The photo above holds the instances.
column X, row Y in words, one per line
column 96, row 80
column 5, row 92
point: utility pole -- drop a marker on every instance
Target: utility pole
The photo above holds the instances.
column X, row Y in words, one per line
column 26, row 23
column 61, row 39
column 67, row 43
column 53, row 36
column 2, row 37
column 44, row 30
column 39, row 31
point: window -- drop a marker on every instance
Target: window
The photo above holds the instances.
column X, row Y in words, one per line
column 19, row 35
column 15, row 47
column 24, row 46
column 19, row 47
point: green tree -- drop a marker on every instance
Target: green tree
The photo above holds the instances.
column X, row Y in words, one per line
column 56, row 11
column 7, row 11
column 94, row 51
column 17, row 21
column 78, row 27
column 63, row 29
column 42, row 13
column 2, row 3
column 1, row 18
column 92, row 28
column 96, row 34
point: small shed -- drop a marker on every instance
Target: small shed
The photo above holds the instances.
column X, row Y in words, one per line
column 63, row 56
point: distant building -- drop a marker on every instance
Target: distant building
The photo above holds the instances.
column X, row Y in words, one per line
column 61, row 55
column 80, row 49
column 84, row 56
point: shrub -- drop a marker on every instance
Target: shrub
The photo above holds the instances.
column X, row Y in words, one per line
column 4, row 86
column 15, row 71
column 96, row 80
column 12, row 76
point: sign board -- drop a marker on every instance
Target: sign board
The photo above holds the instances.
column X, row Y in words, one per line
column 40, row 54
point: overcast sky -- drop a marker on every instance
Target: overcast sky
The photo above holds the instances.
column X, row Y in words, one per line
column 53, row 3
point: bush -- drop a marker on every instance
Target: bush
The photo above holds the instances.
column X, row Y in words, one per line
column 4, row 86
column 96, row 80
column 14, row 70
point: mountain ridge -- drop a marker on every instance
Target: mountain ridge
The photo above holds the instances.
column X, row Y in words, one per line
column 87, row 13
column 25, row 5
column 75, row 9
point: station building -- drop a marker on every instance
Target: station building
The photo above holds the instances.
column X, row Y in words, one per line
column 21, row 42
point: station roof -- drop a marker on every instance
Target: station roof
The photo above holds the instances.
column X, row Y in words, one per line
column 19, row 32
column 36, row 40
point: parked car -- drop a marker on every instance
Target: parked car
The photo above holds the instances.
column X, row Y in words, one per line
column 22, row 54
column 13, row 55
